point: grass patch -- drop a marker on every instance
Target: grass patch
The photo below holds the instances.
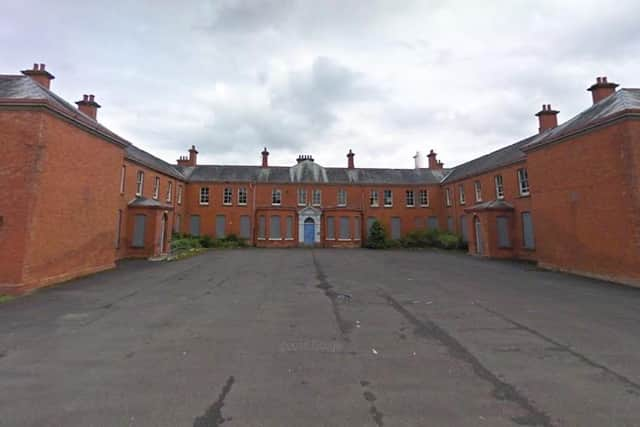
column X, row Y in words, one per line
column 416, row 239
column 185, row 245
column 5, row 298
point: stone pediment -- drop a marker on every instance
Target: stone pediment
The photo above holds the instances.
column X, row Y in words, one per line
column 309, row 211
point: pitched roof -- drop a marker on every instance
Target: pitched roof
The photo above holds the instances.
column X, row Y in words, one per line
column 491, row 205
column 140, row 156
column 310, row 172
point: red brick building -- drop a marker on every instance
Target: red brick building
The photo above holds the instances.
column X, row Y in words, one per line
column 77, row 197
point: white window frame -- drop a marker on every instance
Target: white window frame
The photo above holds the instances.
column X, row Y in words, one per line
column 499, row 181
column 302, row 197
column 156, row 187
column 169, row 191
column 424, row 201
column 523, row 182
column 387, row 195
column 461, row 194
column 373, row 199
column 179, row 195
column 478, row 189
column 123, row 174
column 204, row 196
column 317, row 201
column 139, row 183
column 342, row 197
column 410, row 198
column 242, row 196
column 447, row 196
column 227, row 196
column 276, row 197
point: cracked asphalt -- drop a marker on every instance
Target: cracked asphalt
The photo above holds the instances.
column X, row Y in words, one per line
column 322, row 338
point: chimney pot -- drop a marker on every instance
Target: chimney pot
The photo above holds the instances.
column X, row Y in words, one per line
column 602, row 89
column 265, row 158
column 350, row 163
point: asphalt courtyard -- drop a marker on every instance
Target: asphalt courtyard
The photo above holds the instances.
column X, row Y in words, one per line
column 322, row 338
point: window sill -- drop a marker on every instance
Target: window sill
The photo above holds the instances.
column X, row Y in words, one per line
column 329, row 238
column 524, row 196
column 411, row 206
column 227, row 204
column 374, row 206
column 317, row 205
column 204, row 204
column 341, row 206
column 424, row 206
column 275, row 204
column 289, row 238
column 261, row 238
column 242, row 204
column 344, row 240
column 388, row 206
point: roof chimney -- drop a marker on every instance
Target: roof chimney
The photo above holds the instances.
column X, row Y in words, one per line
column 303, row 157
column 265, row 158
column 419, row 160
column 547, row 118
column 350, row 156
column 601, row 89
column 433, row 162
column 40, row 75
column 88, row 106
column 192, row 160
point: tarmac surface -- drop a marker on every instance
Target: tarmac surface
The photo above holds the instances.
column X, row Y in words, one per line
column 322, row 338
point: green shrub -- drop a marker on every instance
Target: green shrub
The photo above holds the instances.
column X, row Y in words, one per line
column 185, row 244
column 206, row 241
column 447, row 241
column 377, row 238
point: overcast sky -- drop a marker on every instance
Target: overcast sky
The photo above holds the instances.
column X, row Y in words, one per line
column 320, row 77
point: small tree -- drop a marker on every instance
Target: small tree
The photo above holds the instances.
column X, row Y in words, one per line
column 377, row 238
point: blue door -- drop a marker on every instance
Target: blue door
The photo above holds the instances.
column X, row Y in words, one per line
column 309, row 231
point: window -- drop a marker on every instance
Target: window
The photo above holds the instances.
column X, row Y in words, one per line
column 194, row 225
column 424, row 198
column 499, row 187
column 274, row 230
column 528, row 240
column 356, row 227
column 276, row 197
column 169, row 191
column 432, row 222
column 345, row 232
column 388, row 198
column 262, row 227
column 463, row 228
column 179, row 196
column 156, row 187
column 289, row 231
column 447, row 196
column 395, row 228
column 461, row 194
column 139, row 183
column 123, row 174
column 373, row 198
column 523, row 182
column 139, row 225
column 450, row 227
column 220, row 226
column 302, row 197
column 503, row 232
column 478, row 188
column 177, row 223
column 242, row 196
column 410, row 198
column 331, row 228
column 418, row 222
column 245, row 227
column 342, row 197
column 227, row 196
column 317, row 197
column 204, row 195
column 118, row 229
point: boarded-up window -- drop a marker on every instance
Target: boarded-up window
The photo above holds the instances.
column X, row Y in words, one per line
column 463, row 228
column 419, row 223
column 289, row 232
column 274, row 231
column 395, row 228
column 177, row 224
column 194, row 228
column 433, row 223
column 356, row 228
column 118, row 230
column 139, row 226
column 450, row 227
column 331, row 228
column 503, row 232
column 220, row 226
column 262, row 225
column 345, row 233
column 245, row 227
column 528, row 239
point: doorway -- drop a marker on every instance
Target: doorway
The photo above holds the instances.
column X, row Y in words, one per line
column 309, row 231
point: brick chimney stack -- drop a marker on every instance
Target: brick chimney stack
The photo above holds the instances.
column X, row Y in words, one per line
column 601, row 89
column 40, row 75
column 350, row 156
column 265, row 158
column 547, row 118
column 88, row 106
column 192, row 160
column 433, row 162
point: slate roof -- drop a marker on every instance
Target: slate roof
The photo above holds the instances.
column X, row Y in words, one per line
column 492, row 205
column 144, row 202
column 310, row 172
column 140, row 156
